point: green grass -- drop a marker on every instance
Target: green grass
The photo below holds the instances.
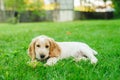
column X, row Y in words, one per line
column 101, row 35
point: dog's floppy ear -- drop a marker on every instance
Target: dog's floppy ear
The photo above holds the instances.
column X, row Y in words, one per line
column 54, row 48
column 31, row 49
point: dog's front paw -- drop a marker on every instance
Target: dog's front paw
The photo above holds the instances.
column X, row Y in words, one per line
column 49, row 64
column 51, row 61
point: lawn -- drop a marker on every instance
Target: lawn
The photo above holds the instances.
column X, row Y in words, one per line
column 101, row 35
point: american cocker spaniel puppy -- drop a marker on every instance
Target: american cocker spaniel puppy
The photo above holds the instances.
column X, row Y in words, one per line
column 46, row 48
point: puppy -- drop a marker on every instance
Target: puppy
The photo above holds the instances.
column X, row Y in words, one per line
column 46, row 48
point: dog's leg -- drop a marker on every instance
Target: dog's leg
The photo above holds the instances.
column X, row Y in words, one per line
column 51, row 61
column 89, row 53
column 91, row 56
column 80, row 58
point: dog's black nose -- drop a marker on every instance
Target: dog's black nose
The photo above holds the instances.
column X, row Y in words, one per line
column 42, row 56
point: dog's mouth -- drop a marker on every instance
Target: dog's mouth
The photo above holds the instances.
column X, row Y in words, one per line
column 43, row 59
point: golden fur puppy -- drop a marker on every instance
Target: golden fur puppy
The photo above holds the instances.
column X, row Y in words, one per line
column 46, row 48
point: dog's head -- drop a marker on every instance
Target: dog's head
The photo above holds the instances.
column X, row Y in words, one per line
column 43, row 47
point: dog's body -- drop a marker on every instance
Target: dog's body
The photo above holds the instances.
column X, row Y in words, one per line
column 43, row 47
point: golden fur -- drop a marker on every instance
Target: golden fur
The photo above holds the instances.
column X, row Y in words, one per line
column 54, row 50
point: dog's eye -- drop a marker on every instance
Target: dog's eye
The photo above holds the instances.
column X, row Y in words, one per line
column 47, row 46
column 38, row 45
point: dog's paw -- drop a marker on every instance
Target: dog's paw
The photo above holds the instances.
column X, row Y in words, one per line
column 48, row 64
column 51, row 61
